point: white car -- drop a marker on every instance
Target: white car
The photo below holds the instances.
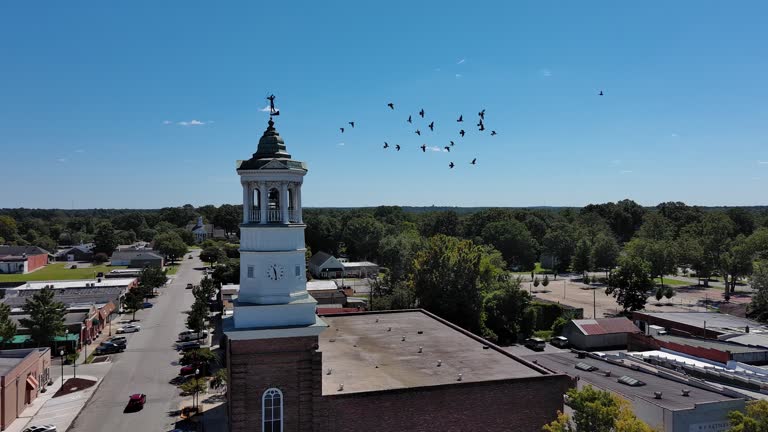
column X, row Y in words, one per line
column 130, row 328
column 41, row 428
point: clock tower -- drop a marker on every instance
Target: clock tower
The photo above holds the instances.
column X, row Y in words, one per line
column 272, row 338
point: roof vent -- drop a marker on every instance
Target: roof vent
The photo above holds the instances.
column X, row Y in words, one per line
column 607, row 373
column 657, row 395
column 460, row 377
column 686, row 392
column 420, row 332
column 420, row 349
column 377, row 320
column 485, row 347
column 403, row 339
column 341, row 387
column 389, row 328
column 329, row 371
column 439, row 363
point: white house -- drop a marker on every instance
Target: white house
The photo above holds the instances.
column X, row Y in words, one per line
column 324, row 265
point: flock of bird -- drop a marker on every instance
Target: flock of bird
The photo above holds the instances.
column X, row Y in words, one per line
column 480, row 127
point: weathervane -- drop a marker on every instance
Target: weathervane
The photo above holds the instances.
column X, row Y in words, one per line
column 272, row 110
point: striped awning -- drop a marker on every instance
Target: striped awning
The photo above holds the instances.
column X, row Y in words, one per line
column 32, row 382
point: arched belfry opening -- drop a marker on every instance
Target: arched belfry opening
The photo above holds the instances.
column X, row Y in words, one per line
column 273, row 206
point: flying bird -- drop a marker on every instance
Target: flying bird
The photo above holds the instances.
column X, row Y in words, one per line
column 342, row 130
column 451, row 165
column 391, row 105
column 424, row 148
column 601, row 93
column 452, row 144
column 474, row 161
column 421, row 113
column 481, row 126
column 432, row 126
column 352, row 124
column 418, row 132
column 409, row 119
column 461, row 132
column 397, row 147
column 461, row 118
column 386, row 145
column 448, row 149
column 482, row 114
column 493, row 133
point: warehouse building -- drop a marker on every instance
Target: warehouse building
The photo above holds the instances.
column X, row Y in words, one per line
column 600, row 333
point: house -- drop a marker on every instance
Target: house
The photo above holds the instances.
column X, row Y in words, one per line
column 202, row 231
column 125, row 256
column 22, row 259
column 360, row 269
column 600, row 333
column 146, row 259
column 325, row 265
column 83, row 252
column 23, row 373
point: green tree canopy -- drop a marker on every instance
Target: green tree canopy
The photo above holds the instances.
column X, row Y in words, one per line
column 754, row 419
column 604, row 253
column 630, row 283
column 170, row 245
column 758, row 307
column 597, row 411
column 7, row 325
column 46, row 317
column 133, row 302
column 228, row 217
column 661, row 255
column 582, row 257
column 504, row 311
column 514, row 241
column 362, row 235
column 560, row 243
column 105, row 240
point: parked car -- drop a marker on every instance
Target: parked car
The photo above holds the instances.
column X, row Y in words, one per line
column 118, row 340
column 190, row 286
column 535, row 344
column 559, row 341
column 188, row 346
column 191, row 335
column 129, row 328
column 109, row 348
column 190, row 369
column 137, row 401
column 148, row 305
column 41, row 428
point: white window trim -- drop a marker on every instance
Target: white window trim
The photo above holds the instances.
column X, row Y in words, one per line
column 271, row 391
column 250, row 272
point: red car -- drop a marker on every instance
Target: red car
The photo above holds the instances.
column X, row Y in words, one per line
column 137, row 401
column 190, row 369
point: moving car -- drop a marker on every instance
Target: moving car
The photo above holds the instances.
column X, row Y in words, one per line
column 129, row 328
column 188, row 346
column 137, row 401
column 41, row 428
column 191, row 335
column 559, row 341
column 535, row 344
column 108, row 348
column 189, row 286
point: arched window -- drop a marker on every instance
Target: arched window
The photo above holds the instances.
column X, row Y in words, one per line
column 274, row 199
column 255, row 214
column 272, row 411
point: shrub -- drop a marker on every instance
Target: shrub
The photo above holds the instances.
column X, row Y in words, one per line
column 586, row 279
column 100, row 257
column 73, row 267
column 558, row 325
column 545, row 282
column 536, row 282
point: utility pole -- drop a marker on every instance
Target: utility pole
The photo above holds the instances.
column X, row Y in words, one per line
column 594, row 305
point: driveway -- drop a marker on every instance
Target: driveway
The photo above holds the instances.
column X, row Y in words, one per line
column 147, row 366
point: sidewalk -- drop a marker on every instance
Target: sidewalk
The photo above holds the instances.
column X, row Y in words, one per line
column 60, row 411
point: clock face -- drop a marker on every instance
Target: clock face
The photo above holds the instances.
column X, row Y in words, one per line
column 275, row 272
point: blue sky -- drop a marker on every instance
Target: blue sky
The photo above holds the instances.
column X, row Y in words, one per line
column 86, row 90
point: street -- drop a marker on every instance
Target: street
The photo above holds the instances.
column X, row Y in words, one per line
column 147, row 366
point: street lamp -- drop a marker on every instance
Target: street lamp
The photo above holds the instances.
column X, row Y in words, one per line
column 62, row 368
column 197, row 377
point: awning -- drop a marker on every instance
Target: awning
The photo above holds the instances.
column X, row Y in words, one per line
column 32, row 382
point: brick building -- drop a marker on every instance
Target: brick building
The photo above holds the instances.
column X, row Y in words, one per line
column 23, row 372
column 291, row 370
column 22, row 259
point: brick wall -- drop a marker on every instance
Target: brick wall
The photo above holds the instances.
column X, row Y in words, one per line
column 520, row 405
column 36, row 261
column 292, row 365
column 639, row 342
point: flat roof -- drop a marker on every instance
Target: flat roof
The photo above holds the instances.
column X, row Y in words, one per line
column 315, row 285
column 672, row 397
column 359, row 264
column 9, row 359
column 365, row 352
column 115, row 282
column 709, row 343
column 751, row 339
column 714, row 320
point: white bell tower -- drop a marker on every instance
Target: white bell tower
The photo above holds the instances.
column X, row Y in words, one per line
column 273, row 285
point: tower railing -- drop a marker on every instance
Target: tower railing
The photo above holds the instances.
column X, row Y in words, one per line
column 255, row 215
column 274, row 216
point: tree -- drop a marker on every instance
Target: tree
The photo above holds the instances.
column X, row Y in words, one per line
column 656, row 227
column 736, row 262
column 206, row 290
column 630, row 283
column 659, row 293
column 605, row 252
column 536, row 282
column 560, row 243
column 758, row 307
column 659, row 254
column 743, row 219
column 8, row 228
column 597, row 411
column 444, row 279
column 669, row 292
column 150, row 279
column 361, row 236
column 228, row 217
column 202, row 356
column 220, row 379
column 514, row 241
column 212, row 255
column 504, row 311
column 170, row 245
column 545, row 282
column 197, row 316
column 755, row 419
column 105, row 240
column 582, row 257
column 100, row 258
column 194, row 387
column 133, row 302
column 442, row 222
column 46, row 317
column 396, row 253
column 7, row 325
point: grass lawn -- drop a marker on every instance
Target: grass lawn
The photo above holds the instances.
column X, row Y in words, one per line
column 172, row 269
column 56, row 271
column 672, row 282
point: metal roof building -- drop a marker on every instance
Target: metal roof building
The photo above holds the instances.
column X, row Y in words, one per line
column 600, row 333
